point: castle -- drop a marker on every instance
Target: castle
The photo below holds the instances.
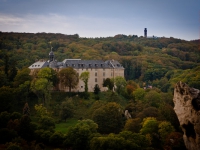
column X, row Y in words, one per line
column 99, row 70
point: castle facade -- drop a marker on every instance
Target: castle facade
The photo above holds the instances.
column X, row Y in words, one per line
column 99, row 70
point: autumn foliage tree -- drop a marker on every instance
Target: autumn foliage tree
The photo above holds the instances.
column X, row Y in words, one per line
column 69, row 77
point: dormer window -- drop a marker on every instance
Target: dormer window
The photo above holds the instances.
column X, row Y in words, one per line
column 96, row 65
column 90, row 65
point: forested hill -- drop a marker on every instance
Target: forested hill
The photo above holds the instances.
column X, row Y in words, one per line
column 144, row 59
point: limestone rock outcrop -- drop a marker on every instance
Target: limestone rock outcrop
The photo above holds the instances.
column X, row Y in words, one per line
column 127, row 114
column 187, row 108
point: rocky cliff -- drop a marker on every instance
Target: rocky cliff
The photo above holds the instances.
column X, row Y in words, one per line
column 187, row 108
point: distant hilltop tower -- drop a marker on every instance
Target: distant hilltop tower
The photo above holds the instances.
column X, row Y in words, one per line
column 145, row 32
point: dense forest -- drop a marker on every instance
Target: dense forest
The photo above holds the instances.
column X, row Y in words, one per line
column 32, row 116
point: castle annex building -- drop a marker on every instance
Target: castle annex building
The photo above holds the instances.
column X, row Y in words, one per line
column 99, row 70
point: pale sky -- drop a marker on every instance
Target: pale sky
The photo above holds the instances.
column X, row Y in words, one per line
column 102, row 18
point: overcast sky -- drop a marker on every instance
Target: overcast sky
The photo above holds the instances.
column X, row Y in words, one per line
column 103, row 18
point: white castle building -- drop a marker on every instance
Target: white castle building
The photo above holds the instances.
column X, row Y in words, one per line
column 99, row 70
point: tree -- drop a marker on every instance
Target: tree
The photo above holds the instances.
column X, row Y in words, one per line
column 26, row 128
column 139, row 94
column 110, row 142
column 56, row 139
column 96, row 89
column 133, row 125
column 131, row 86
column 41, row 111
column 66, row 109
column 21, row 77
column 26, row 109
column 41, row 87
column 4, row 80
column 174, row 141
column 149, row 126
column 85, row 76
column 49, row 74
column 78, row 137
column 108, row 118
column 153, row 98
column 120, row 83
column 150, row 129
column 165, row 128
column 12, row 72
column 69, row 77
column 6, row 98
column 108, row 83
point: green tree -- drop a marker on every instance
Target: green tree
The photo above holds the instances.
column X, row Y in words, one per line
column 12, row 72
column 6, row 98
column 149, row 126
column 49, row 74
column 96, row 89
column 139, row 94
column 109, row 142
column 78, row 137
column 41, row 87
column 108, row 83
column 153, row 98
column 66, row 109
column 56, row 139
column 69, row 77
column 41, row 111
column 120, row 83
column 85, row 76
column 4, row 80
column 108, row 118
column 150, row 129
column 164, row 129
column 21, row 77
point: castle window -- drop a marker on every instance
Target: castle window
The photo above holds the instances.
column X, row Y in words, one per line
column 95, row 73
column 96, row 65
column 103, row 73
column 32, row 65
column 95, row 79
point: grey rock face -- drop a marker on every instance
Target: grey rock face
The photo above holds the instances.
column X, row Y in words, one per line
column 187, row 108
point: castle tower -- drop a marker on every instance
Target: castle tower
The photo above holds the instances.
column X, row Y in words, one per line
column 51, row 55
column 145, row 32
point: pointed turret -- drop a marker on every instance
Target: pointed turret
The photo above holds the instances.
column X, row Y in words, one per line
column 51, row 55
